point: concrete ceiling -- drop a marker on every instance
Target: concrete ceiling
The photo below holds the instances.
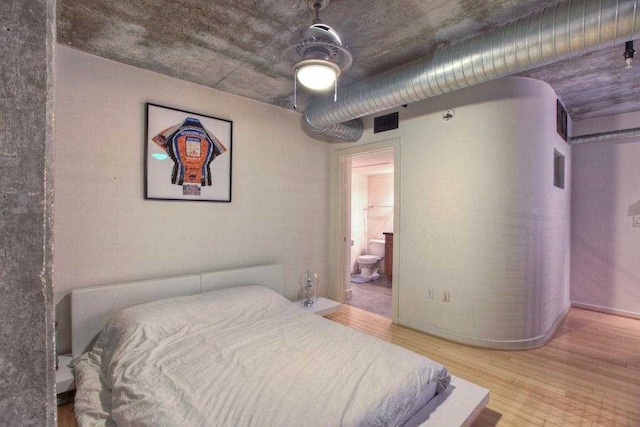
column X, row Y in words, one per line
column 237, row 45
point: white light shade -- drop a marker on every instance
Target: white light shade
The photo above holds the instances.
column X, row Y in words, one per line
column 317, row 74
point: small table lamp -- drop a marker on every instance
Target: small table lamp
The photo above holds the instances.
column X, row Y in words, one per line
column 309, row 285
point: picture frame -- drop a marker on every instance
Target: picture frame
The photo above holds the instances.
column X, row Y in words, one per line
column 188, row 156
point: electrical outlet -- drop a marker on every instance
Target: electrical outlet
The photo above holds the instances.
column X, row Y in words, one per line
column 446, row 296
column 430, row 293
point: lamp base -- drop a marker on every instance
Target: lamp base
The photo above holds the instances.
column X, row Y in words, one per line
column 308, row 303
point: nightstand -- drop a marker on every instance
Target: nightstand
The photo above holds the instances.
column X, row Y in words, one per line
column 321, row 306
column 65, row 384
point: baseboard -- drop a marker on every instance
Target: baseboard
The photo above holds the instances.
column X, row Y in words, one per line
column 607, row 310
column 523, row 344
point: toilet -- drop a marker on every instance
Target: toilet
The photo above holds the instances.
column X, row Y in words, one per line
column 369, row 263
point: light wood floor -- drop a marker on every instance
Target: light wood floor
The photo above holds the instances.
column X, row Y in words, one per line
column 588, row 375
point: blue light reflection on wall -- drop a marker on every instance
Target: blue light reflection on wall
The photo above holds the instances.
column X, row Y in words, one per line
column 160, row 156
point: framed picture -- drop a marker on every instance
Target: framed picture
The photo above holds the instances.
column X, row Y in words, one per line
column 188, row 156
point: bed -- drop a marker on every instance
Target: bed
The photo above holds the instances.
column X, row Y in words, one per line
column 226, row 348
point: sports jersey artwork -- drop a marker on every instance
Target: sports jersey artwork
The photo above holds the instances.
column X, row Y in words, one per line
column 188, row 155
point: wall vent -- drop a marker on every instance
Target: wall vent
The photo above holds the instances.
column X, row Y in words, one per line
column 561, row 120
column 385, row 123
column 558, row 169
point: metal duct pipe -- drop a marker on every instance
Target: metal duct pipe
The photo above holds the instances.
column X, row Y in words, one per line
column 348, row 131
column 558, row 32
column 605, row 136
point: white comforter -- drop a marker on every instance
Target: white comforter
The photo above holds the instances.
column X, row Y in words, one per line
column 246, row 356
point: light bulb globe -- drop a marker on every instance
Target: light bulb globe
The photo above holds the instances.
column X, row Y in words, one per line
column 316, row 74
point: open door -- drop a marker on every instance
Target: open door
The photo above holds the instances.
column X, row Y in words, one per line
column 341, row 224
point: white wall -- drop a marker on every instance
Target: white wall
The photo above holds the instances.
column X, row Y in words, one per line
column 380, row 212
column 359, row 198
column 380, row 215
column 106, row 232
column 605, row 270
column 480, row 217
column 606, row 124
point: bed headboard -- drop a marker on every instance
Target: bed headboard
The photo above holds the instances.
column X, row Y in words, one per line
column 91, row 308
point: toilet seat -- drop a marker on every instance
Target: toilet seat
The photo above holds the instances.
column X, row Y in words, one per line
column 368, row 266
column 368, row 259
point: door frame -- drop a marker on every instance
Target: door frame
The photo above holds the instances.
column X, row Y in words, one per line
column 340, row 225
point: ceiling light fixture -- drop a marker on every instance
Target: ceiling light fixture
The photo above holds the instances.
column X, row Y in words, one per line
column 320, row 54
column 316, row 74
column 629, row 52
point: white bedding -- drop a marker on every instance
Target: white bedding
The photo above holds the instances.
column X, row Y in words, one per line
column 246, row 356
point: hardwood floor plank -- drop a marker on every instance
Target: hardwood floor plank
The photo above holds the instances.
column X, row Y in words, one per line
column 602, row 342
column 568, row 374
column 488, row 418
column 598, row 328
column 556, row 379
column 603, row 379
column 616, row 398
column 583, row 349
column 586, row 411
column 624, row 416
column 571, row 359
column 518, row 407
column 605, row 319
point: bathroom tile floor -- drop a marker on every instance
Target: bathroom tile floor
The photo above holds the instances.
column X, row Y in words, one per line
column 374, row 296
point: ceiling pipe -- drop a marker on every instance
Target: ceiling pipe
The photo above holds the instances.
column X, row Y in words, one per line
column 605, row 136
column 556, row 33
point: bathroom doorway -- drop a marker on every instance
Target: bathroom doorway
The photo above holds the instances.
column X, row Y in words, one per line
column 372, row 218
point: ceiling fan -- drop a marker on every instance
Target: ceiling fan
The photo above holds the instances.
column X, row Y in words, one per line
column 320, row 53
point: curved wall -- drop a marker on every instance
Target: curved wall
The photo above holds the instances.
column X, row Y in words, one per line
column 480, row 216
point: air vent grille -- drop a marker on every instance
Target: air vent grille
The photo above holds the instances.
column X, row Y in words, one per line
column 385, row 123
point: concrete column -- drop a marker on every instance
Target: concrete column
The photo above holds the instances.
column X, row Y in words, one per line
column 27, row 382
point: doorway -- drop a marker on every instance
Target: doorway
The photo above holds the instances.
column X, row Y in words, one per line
column 366, row 195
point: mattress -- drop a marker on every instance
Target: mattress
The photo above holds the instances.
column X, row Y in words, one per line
column 246, row 356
